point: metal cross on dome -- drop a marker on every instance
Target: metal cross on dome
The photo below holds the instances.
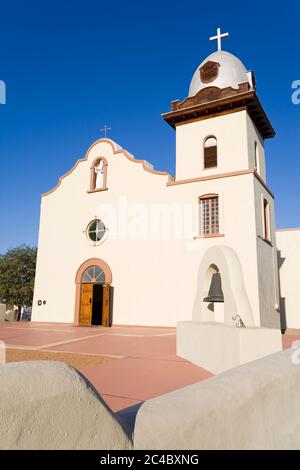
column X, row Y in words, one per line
column 218, row 38
column 105, row 129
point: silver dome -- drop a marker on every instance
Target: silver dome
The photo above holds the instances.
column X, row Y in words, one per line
column 231, row 73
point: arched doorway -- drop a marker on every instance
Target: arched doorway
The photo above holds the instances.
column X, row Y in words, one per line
column 93, row 304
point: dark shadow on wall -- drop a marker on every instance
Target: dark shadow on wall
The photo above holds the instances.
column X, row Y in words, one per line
column 127, row 418
column 283, row 324
column 111, row 303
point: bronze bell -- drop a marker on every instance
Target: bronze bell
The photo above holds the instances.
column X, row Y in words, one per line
column 215, row 293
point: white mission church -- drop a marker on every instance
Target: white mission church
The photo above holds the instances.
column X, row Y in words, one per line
column 122, row 243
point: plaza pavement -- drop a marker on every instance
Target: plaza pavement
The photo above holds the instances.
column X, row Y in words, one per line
column 126, row 364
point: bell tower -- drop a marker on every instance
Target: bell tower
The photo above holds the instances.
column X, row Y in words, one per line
column 220, row 130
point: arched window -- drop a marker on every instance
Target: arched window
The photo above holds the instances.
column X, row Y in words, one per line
column 209, row 214
column 210, row 152
column 98, row 175
column 256, row 156
column 93, row 274
column 266, row 220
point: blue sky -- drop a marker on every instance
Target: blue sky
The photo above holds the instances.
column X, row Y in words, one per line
column 70, row 67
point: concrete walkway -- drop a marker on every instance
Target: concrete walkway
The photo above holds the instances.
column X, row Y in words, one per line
column 126, row 364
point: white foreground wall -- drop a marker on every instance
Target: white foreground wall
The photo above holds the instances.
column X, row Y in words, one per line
column 288, row 246
column 48, row 405
column 254, row 406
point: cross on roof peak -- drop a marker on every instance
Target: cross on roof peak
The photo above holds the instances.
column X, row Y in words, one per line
column 218, row 38
column 105, row 129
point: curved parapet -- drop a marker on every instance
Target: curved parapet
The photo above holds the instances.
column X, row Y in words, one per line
column 116, row 150
column 49, row 405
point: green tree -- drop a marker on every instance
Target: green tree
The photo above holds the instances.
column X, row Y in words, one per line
column 17, row 272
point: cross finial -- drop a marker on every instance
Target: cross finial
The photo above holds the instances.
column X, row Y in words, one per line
column 105, row 129
column 218, row 37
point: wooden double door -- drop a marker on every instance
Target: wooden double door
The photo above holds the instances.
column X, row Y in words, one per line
column 95, row 304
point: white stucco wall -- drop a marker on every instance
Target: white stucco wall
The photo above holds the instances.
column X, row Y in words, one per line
column 253, row 406
column 253, row 137
column 236, row 136
column 206, row 344
column 49, row 405
column 231, row 133
column 268, row 282
column 155, row 280
column 288, row 245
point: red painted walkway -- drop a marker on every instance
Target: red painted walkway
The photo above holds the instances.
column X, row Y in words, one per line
column 146, row 364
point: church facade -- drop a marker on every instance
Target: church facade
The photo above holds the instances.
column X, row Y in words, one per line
column 123, row 243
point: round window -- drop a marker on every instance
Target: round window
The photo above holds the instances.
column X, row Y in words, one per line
column 96, row 230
